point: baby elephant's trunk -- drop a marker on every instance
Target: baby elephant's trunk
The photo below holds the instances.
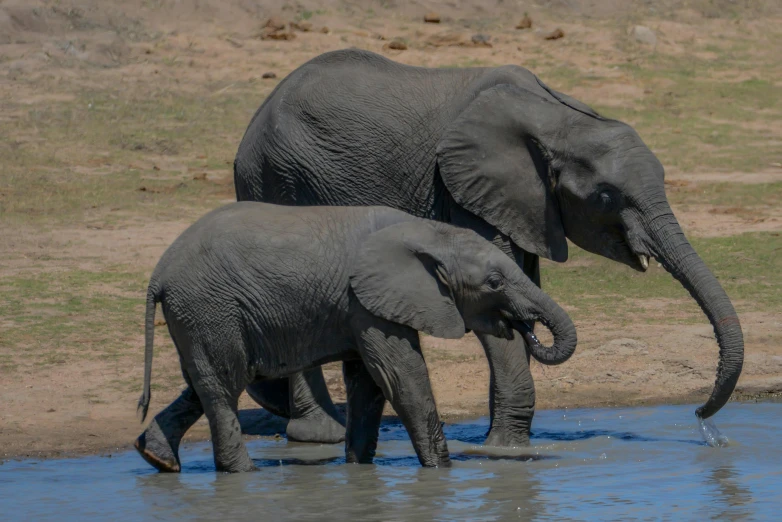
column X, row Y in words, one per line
column 559, row 324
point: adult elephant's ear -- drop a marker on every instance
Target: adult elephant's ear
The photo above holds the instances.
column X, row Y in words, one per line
column 401, row 275
column 494, row 160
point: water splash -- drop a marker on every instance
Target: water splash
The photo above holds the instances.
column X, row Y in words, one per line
column 711, row 435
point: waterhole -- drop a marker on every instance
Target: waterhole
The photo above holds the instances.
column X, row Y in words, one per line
column 588, row 464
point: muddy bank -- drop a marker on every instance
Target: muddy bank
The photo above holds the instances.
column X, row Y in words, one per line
column 608, row 373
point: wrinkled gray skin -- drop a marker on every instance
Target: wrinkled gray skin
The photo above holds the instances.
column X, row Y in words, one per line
column 252, row 291
column 493, row 149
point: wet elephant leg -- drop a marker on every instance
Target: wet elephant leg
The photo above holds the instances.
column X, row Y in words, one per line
column 365, row 411
column 512, row 391
column 159, row 444
column 392, row 355
column 314, row 418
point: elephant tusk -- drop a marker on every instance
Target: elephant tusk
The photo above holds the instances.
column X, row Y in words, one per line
column 644, row 260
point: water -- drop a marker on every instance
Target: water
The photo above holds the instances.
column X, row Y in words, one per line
column 606, row 464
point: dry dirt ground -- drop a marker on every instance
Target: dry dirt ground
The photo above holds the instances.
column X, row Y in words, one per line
column 119, row 122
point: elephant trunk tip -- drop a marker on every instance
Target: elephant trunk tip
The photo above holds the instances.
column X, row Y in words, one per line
column 711, row 435
column 565, row 340
column 531, row 339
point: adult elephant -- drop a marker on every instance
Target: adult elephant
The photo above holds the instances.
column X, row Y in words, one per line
column 493, row 149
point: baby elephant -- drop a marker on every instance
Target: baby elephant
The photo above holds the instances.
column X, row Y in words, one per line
column 260, row 291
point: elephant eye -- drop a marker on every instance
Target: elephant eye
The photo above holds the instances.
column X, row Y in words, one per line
column 494, row 282
column 606, row 201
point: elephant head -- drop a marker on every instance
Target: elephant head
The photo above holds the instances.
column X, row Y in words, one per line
column 542, row 167
column 445, row 280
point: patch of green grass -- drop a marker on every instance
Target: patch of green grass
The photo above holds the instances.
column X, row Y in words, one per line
column 692, row 114
column 103, row 132
column 748, row 266
column 562, row 77
column 55, row 317
column 68, row 159
column 65, row 196
column 7, row 364
column 727, row 194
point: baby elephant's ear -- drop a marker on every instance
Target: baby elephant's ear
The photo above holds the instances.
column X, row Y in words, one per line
column 400, row 275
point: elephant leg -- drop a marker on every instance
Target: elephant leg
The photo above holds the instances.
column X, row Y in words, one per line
column 512, row 391
column 159, row 444
column 511, row 388
column 230, row 453
column 218, row 374
column 314, row 418
column 392, row 354
column 272, row 395
column 365, row 411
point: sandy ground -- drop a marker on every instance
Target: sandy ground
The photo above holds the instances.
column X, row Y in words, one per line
column 57, row 400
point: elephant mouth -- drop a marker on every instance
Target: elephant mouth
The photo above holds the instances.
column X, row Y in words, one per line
column 527, row 333
column 638, row 256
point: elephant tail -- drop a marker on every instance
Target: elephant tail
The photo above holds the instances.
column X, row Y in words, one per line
column 149, row 338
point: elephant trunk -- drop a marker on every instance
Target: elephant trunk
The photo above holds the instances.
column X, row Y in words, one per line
column 556, row 320
column 678, row 257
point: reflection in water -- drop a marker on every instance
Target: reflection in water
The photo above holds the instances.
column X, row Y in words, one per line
column 734, row 499
column 647, row 463
column 733, row 495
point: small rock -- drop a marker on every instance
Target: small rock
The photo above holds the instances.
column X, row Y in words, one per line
column 556, row 34
column 644, row 35
column 274, row 23
column 778, row 165
column 200, row 177
column 269, row 75
column 324, row 30
column 525, row 23
column 160, row 322
column 304, row 27
column 432, row 18
column 396, row 44
column 481, row 40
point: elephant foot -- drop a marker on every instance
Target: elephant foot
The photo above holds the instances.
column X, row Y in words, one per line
column 319, row 428
column 157, row 453
column 505, row 438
